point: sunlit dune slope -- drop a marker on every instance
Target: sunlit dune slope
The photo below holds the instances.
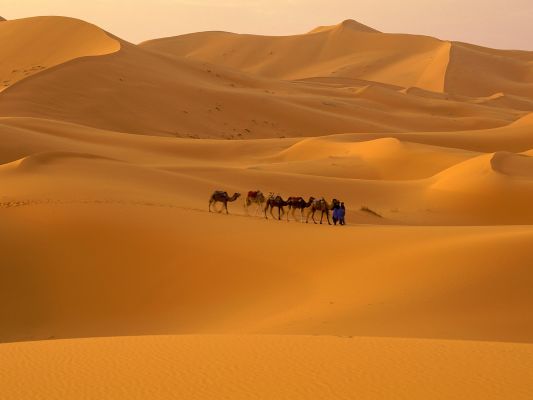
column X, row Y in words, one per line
column 265, row 367
column 130, row 212
column 172, row 96
column 385, row 158
column 32, row 45
column 347, row 24
column 110, row 152
column 515, row 137
column 351, row 50
column 345, row 50
column 409, row 179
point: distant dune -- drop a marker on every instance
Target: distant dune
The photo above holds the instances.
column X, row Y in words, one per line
column 172, row 95
column 348, row 50
column 33, row 45
column 115, row 272
column 347, row 24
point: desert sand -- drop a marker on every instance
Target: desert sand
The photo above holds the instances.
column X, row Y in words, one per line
column 118, row 283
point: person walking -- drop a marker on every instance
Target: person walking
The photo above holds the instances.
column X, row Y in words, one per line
column 342, row 214
column 336, row 214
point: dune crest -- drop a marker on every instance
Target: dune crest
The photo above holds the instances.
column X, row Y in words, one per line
column 46, row 43
column 342, row 51
column 347, row 24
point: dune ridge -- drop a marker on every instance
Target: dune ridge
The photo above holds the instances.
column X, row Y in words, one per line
column 272, row 108
column 46, row 43
column 346, row 24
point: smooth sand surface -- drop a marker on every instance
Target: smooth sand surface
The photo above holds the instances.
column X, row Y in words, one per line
column 265, row 367
column 111, row 150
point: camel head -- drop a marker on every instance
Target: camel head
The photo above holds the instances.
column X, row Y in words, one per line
column 234, row 197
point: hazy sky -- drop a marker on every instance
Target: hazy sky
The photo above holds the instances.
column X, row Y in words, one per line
column 494, row 23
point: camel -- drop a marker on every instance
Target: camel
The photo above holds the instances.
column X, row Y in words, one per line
column 275, row 201
column 222, row 197
column 257, row 198
column 298, row 203
column 324, row 207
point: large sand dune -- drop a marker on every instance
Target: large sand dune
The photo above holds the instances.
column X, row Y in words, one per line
column 175, row 96
column 272, row 367
column 32, row 45
column 350, row 50
column 111, row 150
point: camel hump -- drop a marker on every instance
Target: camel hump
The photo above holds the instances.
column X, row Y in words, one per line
column 253, row 193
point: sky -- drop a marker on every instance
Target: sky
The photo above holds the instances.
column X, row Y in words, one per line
column 494, row 23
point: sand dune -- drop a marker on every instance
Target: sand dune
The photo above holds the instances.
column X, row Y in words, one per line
column 349, row 50
column 478, row 71
column 111, row 150
column 33, row 45
column 386, row 158
column 131, row 198
column 345, row 50
column 347, row 24
column 266, row 367
column 204, row 100
column 133, row 270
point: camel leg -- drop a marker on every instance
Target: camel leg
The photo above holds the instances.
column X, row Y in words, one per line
column 210, row 202
column 327, row 216
column 226, row 207
column 321, row 217
column 266, row 208
column 291, row 211
column 313, row 216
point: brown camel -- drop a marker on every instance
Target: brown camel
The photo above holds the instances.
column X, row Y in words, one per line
column 298, row 203
column 275, row 201
column 323, row 206
column 254, row 197
column 220, row 196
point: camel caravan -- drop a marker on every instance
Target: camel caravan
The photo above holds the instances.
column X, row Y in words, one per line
column 273, row 201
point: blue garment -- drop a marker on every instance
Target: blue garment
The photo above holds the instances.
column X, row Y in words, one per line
column 338, row 213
